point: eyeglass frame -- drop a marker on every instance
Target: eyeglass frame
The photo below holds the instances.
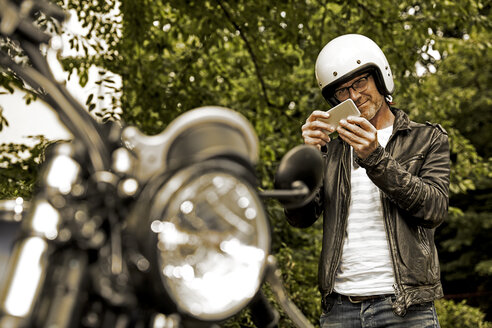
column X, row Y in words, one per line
column 366, row 77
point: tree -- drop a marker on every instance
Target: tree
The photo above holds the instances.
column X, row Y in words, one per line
column 258, row 58
column 461, row 100
column 19, row 167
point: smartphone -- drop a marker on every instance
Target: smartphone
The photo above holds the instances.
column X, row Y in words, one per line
column 341, row 111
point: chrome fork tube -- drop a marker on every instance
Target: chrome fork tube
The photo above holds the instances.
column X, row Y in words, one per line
column 26, row 273
column 29, row 264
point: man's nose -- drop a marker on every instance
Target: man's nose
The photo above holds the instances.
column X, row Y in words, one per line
column 354, row 94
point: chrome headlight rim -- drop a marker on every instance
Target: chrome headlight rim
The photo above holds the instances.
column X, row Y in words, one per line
column 166, row 195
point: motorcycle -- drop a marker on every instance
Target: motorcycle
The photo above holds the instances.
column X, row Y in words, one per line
column 130, row 230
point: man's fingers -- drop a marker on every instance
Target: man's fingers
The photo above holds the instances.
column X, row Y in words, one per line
column 360, row 127
column 317, row 114
column 349, row 136
column 361, row 137
column 362, row 122
column 355, row 129
column 318, row 125
column 316, row 134
column 314, row 142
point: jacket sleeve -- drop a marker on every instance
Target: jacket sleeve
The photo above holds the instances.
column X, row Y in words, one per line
column 424, row 196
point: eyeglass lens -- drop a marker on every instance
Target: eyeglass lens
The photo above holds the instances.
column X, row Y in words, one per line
column 359, row 86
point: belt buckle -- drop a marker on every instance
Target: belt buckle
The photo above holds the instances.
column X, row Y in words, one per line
column 353, row 301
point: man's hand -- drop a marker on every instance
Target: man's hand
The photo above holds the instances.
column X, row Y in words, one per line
column 360, row 134
column 316, row 132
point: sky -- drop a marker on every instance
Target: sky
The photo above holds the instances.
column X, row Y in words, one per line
column 38, row 118
column 25, row 120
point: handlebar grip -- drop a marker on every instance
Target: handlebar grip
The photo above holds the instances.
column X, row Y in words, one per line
column 17, row 23
column 32, row 33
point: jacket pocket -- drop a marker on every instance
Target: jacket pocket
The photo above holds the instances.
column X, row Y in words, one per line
column 413, row 163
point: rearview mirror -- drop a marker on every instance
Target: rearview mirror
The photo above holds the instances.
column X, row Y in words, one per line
column 300, row 169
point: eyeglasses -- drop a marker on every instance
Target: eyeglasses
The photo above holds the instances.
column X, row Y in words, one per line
column 359, row 86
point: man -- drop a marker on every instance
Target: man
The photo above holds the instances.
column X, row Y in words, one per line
column 385, row 190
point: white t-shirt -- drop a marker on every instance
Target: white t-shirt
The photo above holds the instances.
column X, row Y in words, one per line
column 366, row 267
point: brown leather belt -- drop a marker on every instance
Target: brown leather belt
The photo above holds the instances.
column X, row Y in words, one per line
column 359, row 299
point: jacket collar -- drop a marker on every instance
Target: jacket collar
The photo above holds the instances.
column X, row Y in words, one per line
column 402, row 121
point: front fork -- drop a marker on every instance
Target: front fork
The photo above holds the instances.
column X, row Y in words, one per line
column 41, row 283
column 40, row 253
column 24, row 280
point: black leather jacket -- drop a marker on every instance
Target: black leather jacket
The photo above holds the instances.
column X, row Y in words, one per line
column 412, row 173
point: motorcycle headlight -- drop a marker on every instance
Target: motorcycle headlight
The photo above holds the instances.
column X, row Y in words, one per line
column 213, row 239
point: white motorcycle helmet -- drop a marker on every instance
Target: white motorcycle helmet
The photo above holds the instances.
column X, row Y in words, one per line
column 350, row 55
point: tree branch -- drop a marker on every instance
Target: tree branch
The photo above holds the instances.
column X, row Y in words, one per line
column 250, row 51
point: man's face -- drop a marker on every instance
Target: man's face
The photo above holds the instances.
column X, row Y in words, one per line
column 363, row 91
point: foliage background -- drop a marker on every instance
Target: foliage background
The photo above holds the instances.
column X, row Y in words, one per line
column 258, row 57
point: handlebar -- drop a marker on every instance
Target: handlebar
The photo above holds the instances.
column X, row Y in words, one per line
column 71, row 113
column 15, row 24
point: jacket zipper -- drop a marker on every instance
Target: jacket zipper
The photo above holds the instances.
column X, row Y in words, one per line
column 399, row 306
column 343, row 216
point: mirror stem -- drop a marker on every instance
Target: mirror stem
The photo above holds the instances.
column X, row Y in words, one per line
column 299, row 189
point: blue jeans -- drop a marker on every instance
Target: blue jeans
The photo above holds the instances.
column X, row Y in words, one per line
column 377, row 313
